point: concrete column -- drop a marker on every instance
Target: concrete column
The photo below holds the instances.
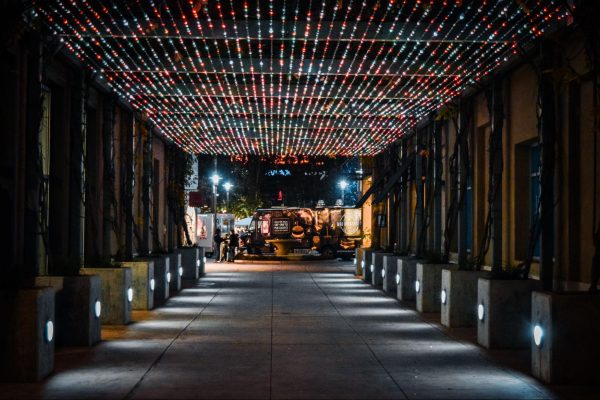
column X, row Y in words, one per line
column 420, row 206
column 146, row 187
column 548, row 157
column 108, row 192
column 404, row 215
column 76, row 170
column 437, row 202
column 30, row 110
column 128, row 175
column 496, row 179
column 171, row 243
column 463, row 173
column 11, row 151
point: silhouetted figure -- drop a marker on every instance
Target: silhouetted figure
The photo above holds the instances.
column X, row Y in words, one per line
column 217, row 239
column 224, row 249
column 234, row 242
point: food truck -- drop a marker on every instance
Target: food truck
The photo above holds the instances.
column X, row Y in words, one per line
column 205, row 229
column 326, row 231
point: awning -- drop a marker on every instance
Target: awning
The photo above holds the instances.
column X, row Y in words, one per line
column 243, row 223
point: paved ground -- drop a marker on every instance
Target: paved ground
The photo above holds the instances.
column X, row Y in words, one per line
column 281, row 331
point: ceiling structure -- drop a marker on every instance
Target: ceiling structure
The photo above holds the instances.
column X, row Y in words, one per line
column 313, row 77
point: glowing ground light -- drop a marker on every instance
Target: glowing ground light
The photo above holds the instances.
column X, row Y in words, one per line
column 152, row 283
column 480, row 312
column 538, row 335
column 417, row 286
column 444, row 296
column 168, row 277
column 180, row 271
column 354, row 261
column 97, row 308
column 49, row 335
column 204, row 260
column 383, row 273
column 198, row 263
column 130, row 294
column 218, row 78
column 372, row 268
column 397, row 279
column 362, row 264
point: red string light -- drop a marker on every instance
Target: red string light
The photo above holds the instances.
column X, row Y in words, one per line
column 293, row 77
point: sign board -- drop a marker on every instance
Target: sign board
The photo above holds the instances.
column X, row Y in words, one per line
column 195, row 199
column 281, row 226
column 350, row 222
column 204, row 230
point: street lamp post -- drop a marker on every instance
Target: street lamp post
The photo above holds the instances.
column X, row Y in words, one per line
column 227, row 186
column 343, row 186
column 215, row 178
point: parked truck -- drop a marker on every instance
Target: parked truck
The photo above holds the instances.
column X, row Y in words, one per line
column 327, row 231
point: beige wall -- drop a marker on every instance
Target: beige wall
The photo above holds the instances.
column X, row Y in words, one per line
column 574, row 169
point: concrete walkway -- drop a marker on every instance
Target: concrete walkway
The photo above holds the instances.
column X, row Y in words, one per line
column 280, row 331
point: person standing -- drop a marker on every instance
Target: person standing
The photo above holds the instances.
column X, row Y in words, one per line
column 234, row 242
column 217, row 239
column 225, row 249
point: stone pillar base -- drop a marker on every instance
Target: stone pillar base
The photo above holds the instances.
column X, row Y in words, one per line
column 377, row 263
column 77, row 308
column 144, row 283
column 190, row 261
column 428, row 287
column 116, row 287
column 390, row 266
column 407, row 275
column 202, row 258
column 27, row 335
column 568, row 350
column 458, row 297
column 162, row 275
column 504, row 312
column 366, row 264
column 176, row 272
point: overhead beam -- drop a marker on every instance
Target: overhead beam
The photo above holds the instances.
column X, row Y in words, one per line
column 166, row 72
column 295, row 123
column 199, row 89
column 322, row 66
column 332, row 31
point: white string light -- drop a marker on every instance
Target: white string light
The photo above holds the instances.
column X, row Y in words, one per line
column 344, row 77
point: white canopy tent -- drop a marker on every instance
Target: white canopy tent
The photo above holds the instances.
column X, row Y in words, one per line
column 243, row 223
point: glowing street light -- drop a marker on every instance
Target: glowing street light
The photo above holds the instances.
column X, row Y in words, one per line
column 227, row 186
column 215, row 178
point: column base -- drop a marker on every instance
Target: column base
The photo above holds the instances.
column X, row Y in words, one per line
column 27, row 336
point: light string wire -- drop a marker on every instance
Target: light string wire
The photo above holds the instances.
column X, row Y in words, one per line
column 376, row 102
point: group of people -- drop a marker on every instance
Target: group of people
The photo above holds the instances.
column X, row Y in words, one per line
column 226, row 247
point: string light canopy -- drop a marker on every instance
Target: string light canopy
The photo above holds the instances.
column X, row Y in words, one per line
column 291, row 77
